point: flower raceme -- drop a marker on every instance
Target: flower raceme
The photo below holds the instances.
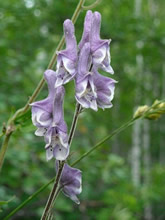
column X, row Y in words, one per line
column 92, row 90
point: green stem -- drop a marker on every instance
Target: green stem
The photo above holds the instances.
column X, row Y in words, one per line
column 88, row 7
column 53, row 192
column 4, row 149
column 117, row 131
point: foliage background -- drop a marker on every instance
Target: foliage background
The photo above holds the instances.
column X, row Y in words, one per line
column 125, row 178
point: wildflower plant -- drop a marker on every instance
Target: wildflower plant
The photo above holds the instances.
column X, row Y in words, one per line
column 82, row 63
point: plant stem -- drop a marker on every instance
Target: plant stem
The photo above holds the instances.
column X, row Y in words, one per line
column 4, row 147
column 53, row 192
column 117, row 131
column 88, row 7
column 61, row 165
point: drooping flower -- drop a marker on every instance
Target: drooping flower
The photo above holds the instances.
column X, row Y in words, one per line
column 92, row 89
column 99, row 48
column 56, row 137
column 48, row 117
column 105, row 87
column 85, row 90
column 67, row 59
column 71, row 182
column 42, row 110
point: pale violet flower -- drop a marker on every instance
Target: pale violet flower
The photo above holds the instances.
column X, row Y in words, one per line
column 99, row 48
column 67, row 59
column 42, row 116
column 56, row 137
column 92, row 89
column 48, row 117
column 71, row 182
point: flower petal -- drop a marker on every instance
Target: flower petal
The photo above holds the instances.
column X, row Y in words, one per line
column 87, row 28
column 60, row 152
column 67, row 59
column 99, row 48
column 84, row 62
column 49, row 153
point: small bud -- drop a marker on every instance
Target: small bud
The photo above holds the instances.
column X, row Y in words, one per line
column 153, row 116
column 140, row 111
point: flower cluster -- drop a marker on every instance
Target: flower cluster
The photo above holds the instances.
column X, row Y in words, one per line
column 92, row 90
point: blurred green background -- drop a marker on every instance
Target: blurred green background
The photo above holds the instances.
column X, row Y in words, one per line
column 125, row 178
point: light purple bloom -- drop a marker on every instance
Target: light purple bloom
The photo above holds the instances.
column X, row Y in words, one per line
column 71, row 181
column 56, row 137
column 99, row 48
column 92, row 89
column 67, row 59
column 105, row 87
column 42, row 110
column 87, row 29
column 85, row 90
column 48, row 117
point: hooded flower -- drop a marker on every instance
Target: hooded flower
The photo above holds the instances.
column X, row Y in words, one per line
column 92, row 89
column 71, row 181
column 67, row 59
column 42, row 110
column 87, row 29
column 85, row 90
column 105, row 87
column 56, row 137
column 99, row 48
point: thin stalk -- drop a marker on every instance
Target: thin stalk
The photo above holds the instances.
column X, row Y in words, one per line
column 53, row 192
column 61, row 165
column 50, row 213
column 88, row 7
column 4, row 149
column 117, row 131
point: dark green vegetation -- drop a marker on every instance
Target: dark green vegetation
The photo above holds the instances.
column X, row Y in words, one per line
column 123, row 180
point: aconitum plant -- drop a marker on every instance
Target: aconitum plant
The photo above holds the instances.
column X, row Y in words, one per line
column 80, row 63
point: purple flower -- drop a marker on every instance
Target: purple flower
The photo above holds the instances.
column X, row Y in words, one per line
column 99, row 48
column 67, row 59
column 87, row 29
column 85, row 90
column 42, row 110
column 71, row 181
column 48, row 117
column 105, row 87
column 92, row 89
column 56, row 137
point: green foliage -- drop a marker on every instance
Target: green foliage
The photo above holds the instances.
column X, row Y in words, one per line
column 30, row 30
